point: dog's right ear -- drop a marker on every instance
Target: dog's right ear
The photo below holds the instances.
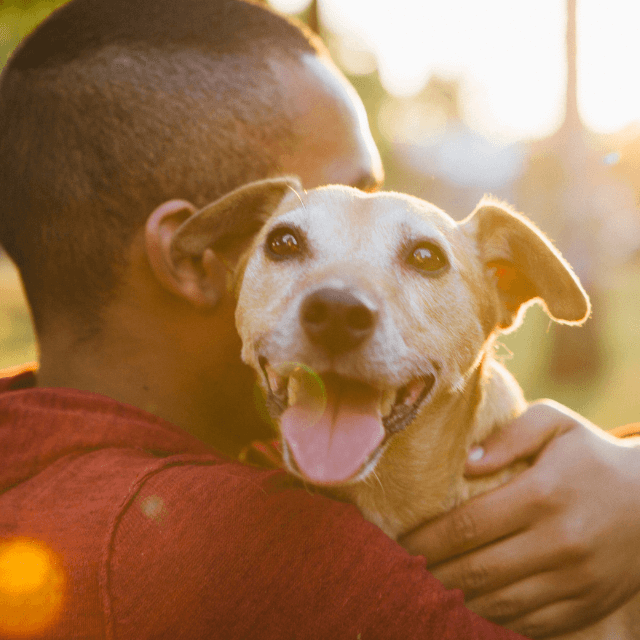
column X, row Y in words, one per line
column 525, row 267
column 191, row 251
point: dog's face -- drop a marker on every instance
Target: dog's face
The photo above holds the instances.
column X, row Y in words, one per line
column 359, row 310
column 376, row 294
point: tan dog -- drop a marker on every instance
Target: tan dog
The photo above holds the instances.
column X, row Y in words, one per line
column 371, row 322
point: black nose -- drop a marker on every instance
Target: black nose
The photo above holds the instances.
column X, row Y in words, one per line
column 337, row 319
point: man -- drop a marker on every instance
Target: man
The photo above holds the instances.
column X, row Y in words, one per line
column 117, row 121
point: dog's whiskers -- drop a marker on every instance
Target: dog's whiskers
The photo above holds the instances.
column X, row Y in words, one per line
column 297, row 194
column 374, row 474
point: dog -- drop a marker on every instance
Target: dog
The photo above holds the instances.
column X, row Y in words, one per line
column 371, row 322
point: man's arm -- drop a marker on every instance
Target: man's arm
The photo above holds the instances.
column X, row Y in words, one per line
column 556, row 548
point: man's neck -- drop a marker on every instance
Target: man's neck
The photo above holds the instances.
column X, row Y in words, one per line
column 157, row 371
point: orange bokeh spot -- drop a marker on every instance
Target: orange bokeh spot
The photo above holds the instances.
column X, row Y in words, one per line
column 31, row 588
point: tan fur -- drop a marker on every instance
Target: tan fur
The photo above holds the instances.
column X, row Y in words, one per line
column 445, row 325
column 395, row 500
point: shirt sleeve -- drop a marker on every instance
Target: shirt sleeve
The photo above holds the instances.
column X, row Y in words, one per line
column 224, row 551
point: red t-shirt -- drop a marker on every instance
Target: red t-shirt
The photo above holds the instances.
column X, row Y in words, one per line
column 157, row 535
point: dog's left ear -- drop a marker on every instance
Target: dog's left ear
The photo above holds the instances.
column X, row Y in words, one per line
column 525, row 267
column 191, row 252
column 227, row 224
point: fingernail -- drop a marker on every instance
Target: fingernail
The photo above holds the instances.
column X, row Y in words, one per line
column 475, row 454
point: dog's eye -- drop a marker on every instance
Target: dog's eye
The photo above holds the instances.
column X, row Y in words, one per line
column 282, row 243
column 427, row 257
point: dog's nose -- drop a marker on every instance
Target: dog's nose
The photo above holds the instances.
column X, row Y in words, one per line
column 337, row 319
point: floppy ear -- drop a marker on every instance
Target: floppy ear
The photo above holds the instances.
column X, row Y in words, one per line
column 191, row 251
column 524, row 267
column 228, row 224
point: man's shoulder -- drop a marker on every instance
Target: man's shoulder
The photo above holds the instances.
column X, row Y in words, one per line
column 251, row 553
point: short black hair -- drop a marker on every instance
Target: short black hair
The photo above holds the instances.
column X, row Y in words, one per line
column 111, row 107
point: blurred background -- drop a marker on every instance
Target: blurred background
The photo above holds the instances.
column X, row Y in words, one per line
column 535, row 103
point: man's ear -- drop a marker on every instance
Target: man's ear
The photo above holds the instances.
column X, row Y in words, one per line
column 198, row 279
column 191, row 251
column 522, row 266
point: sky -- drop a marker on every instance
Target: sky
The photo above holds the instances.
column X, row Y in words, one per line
column 509, row 55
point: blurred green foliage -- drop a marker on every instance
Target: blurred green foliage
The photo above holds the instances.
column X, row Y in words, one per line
column 18, row 18
column 17, row 342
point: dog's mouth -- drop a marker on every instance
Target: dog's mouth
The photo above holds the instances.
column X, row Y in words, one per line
column 333, row 428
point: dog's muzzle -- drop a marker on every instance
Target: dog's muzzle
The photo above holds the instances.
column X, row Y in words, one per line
column 334, row 427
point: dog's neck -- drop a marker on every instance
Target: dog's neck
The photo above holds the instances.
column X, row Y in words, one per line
column 421, row 475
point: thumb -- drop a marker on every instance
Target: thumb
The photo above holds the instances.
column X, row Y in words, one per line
column 522, row 438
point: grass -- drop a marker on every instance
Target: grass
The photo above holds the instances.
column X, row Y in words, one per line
column 611, row 398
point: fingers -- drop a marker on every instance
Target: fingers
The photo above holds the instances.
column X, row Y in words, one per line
column 514, row 601
column 518, row 582
column 468, row 526
column 516, row 560
column 556, row 618
column 523, row 438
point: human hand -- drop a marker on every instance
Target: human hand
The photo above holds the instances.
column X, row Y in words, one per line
column 555, row 549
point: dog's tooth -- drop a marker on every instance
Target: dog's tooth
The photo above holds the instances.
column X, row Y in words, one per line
column 413, row 392
column 276, row 382
column 305, row 388
column 292, row 389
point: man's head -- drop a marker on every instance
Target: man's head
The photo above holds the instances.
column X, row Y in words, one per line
column 110, row 109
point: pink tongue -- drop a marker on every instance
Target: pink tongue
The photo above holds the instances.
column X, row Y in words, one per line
column 334, row 447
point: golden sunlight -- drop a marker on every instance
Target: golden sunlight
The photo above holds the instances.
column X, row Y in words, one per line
column 509, row 56
column 31, row 588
